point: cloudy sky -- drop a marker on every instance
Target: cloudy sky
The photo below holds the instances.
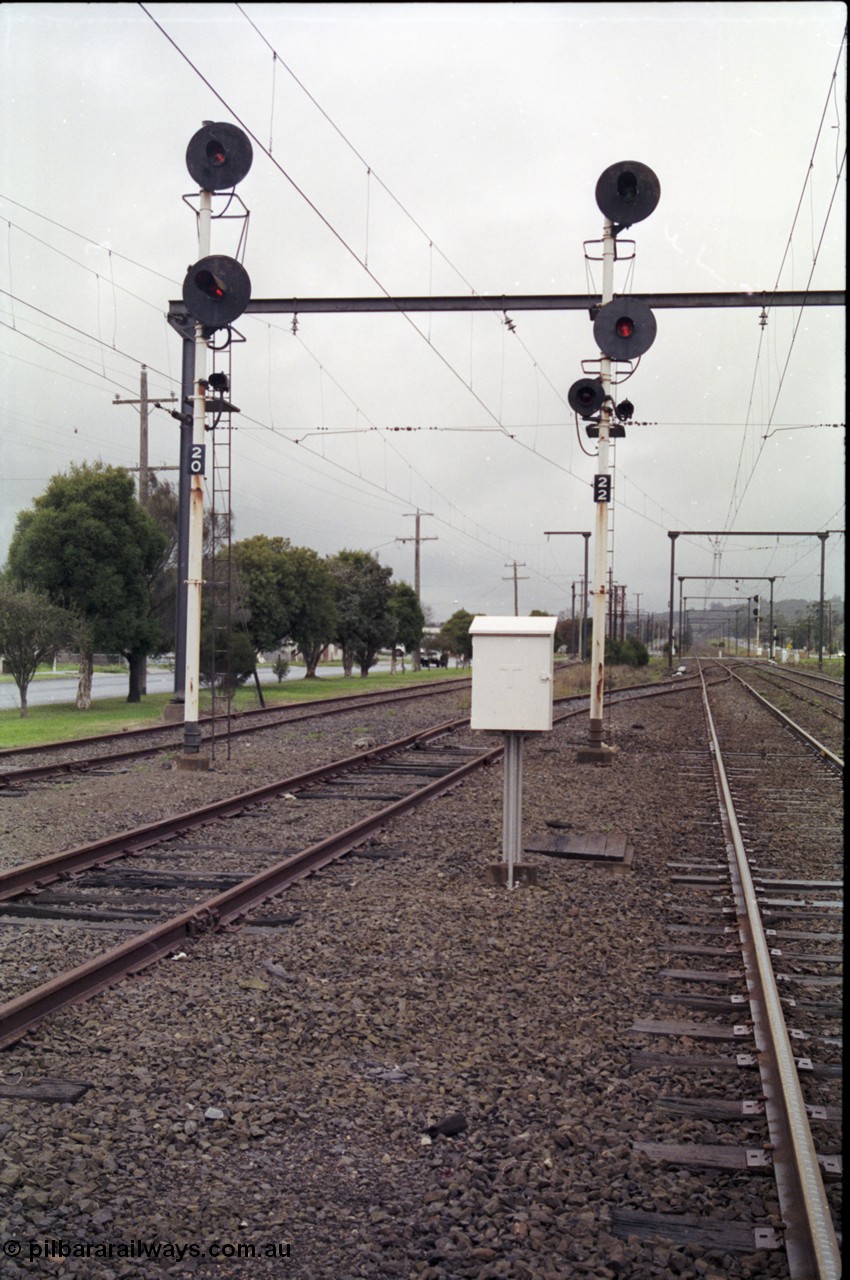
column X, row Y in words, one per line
column 443, row 149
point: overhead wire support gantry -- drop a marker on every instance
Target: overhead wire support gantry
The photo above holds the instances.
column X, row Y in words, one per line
column 527, row 302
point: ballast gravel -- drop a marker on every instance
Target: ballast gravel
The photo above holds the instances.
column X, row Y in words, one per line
column 422, row 1076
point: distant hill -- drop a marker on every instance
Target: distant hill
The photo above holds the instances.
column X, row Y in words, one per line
column 789, row 609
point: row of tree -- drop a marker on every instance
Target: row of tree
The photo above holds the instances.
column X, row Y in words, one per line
column 92, row 570
column 291, row 595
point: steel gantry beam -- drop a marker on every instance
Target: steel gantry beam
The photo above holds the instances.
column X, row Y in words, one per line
column 823, row 534
column 180, row 320
column 730, row 577
column 527, row 302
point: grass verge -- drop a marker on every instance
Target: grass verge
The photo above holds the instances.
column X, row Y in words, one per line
column 61, row 721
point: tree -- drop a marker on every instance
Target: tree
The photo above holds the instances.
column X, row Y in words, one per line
column 407, row 616
column 567, row 634
column 454, row 636
column 267, row 588
column 313, row 612
column 541, row 613
column 32, row 631
column 364, row 622
column 162, row 505
column 225, row 662
column 287, row 593
column 91, row 547
column 630, row 652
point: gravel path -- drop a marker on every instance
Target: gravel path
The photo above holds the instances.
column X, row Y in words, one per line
column 284, row 1087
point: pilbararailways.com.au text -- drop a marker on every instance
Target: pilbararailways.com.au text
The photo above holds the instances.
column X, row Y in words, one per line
column 162, row 1250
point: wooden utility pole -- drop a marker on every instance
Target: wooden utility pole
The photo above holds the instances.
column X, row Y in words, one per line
column 516, row 580
column 144, row 488
column 144, row 404
column 579, row 533
column 416, row 539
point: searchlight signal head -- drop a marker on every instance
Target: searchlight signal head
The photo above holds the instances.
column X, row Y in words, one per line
column 216, row 291
column 624, row 329
column 627, row 192
column 219, row 156
column 586, row 397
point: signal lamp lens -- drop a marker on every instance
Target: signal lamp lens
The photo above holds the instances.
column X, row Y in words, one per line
column 627, row 186
column 585, row 397
column 625, row 327
column 209, row 284
column 216, row 153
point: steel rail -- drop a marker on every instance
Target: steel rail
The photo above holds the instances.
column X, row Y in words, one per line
column 810, row 1242
column 29, row 773
column 35, row 875
column 56, row 866
column 785, row 680
column 27, row 1011
column 314, row 708
column 791, row 725
column 22, row 1014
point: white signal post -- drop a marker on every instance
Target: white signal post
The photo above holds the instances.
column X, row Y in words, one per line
column 601, row 491
column 194, row 579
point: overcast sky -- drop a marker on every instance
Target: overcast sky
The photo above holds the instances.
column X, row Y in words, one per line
column 443, row 149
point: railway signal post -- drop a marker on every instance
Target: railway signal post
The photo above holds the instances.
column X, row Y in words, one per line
column 216, row 290
column 624, row 328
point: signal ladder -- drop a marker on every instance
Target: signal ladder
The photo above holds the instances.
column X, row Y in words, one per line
column 220, row 575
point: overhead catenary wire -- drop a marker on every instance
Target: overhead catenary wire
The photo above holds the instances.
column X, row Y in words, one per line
column 506, row 545
column 348, row 248
column 341, row 239
column 325, row 220
column 499, row 425
column 734, row 508
column 545, row 443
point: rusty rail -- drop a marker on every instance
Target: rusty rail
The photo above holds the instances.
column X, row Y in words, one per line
column 810, row 1240
column 26, row 1011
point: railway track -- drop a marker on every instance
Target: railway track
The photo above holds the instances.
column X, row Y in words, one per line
column 397, row 772
column 333, row 1007
column 407, row 765
column 816, row 701
column 802, row 676
column 754, row 923
column 106, row 751
column 82, row 754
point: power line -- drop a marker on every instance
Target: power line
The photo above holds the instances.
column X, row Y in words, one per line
column 87, row 239
column 325, row 221
column 83, row 266
column 499, row 427
column 338, row 236
column 89, row 336
column 730, row 515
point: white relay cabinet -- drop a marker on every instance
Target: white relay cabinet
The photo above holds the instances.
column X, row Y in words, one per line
column 512, row 673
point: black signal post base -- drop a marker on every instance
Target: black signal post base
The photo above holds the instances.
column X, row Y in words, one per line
column 596, row 752
column 193, row 762
column 596, row 755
